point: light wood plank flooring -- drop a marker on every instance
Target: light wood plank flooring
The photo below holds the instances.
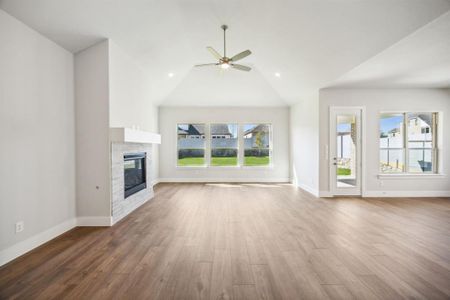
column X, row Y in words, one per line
column 247, row 241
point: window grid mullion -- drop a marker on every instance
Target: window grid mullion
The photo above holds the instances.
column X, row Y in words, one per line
column 405, row 143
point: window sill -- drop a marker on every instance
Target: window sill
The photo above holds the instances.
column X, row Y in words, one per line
column 411, row 176
column 257, row 167
column 224, row 167
column 191, row 167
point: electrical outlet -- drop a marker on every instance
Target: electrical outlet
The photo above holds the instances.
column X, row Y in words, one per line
column 20, row 226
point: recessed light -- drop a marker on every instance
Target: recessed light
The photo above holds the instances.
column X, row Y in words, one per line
column 170, row 74
column 277, row 74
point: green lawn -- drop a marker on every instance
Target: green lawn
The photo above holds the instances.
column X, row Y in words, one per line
column 342, row 171
column 224, row 161
column 191, row 161
column 256, row 161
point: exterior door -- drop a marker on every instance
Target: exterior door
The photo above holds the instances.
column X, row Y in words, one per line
column 345, row 150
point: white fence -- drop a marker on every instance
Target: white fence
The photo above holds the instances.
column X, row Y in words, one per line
column 215, row 143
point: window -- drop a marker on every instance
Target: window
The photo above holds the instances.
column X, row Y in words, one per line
column 257, row 144
column 224, row 144
column 408, row 142
column 191, row 144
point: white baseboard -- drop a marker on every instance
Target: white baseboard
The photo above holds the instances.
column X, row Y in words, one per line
column 155, row 181
column 308, row 189
column 406, row 194
column 29, row 244
column 381, row 194
column 325, row 194
column 234, row 180
column 94, row 221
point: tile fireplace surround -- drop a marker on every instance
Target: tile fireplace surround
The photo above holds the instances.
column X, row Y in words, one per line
column 120, row 205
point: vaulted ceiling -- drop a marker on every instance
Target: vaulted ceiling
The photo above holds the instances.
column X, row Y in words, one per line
column 311, row 43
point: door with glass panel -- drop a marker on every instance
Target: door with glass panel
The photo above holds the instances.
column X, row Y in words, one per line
column 345, row 151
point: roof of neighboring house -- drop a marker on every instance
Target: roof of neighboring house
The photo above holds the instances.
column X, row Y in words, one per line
column 425, row 119
column 182, row 131
column 193, row 129
column 221, row 129
column 394, row 130
column 259, row 128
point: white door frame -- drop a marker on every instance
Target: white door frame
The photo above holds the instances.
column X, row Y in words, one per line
column 360, row 156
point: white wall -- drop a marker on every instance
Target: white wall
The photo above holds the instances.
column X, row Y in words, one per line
column 376, row 101
column 304, row 135
column 92, row 132
column 277, row 116
column 37, row 152
column 130, row 98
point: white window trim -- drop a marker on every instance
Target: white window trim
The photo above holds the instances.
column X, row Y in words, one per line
column 270, row 165
column 436, row 149
column 239, row 164
column 205, row 156
column 241, row 149
column 411, row 175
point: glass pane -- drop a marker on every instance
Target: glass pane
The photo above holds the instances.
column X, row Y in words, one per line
column 346, row 150
column 391, row 131
column 420, row 130
column 191, row 144
column 224, row 144
column 257, row 144
column 392, row 143
column 420, row 160
column 392, row 160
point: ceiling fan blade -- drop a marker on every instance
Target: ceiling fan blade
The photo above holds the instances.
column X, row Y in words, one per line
column 214, row 53
column 205, row 65
column 241, row 67
column 241, row 55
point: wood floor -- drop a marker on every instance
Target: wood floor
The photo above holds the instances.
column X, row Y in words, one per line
column 250, row 241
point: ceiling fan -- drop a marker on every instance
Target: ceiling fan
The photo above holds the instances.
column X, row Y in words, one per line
column 224, row 61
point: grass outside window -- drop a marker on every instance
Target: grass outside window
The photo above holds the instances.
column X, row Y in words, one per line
column 344, row 171
column 191, row 161
column 225, row 161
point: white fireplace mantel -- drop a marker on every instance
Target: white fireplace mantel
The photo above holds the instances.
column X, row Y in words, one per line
column 129, row 135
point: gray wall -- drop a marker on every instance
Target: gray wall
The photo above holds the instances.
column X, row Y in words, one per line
column 37, row 152
column 385, row 100
column 304, row 137
column 277, row 116
column 92, row 132
column 130, row 97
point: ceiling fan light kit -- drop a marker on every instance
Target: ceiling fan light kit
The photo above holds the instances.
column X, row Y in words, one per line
column 225, row 62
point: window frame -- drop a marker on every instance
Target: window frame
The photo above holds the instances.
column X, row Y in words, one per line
column 270, row 165
column 205, row 155
column 238, row 148
column 435, row 127
column 240, row 152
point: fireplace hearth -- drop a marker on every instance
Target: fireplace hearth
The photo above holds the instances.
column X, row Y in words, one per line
column 135, row 176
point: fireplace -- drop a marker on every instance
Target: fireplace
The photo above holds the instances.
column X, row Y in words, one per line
column 134, row 172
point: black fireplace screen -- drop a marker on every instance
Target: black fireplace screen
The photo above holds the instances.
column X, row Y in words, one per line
column 135, row 173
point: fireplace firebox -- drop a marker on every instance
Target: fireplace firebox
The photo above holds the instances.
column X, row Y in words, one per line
column 135, row 173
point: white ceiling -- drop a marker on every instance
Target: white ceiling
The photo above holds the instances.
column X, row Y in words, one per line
column 422, row 59
column 310, row 42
